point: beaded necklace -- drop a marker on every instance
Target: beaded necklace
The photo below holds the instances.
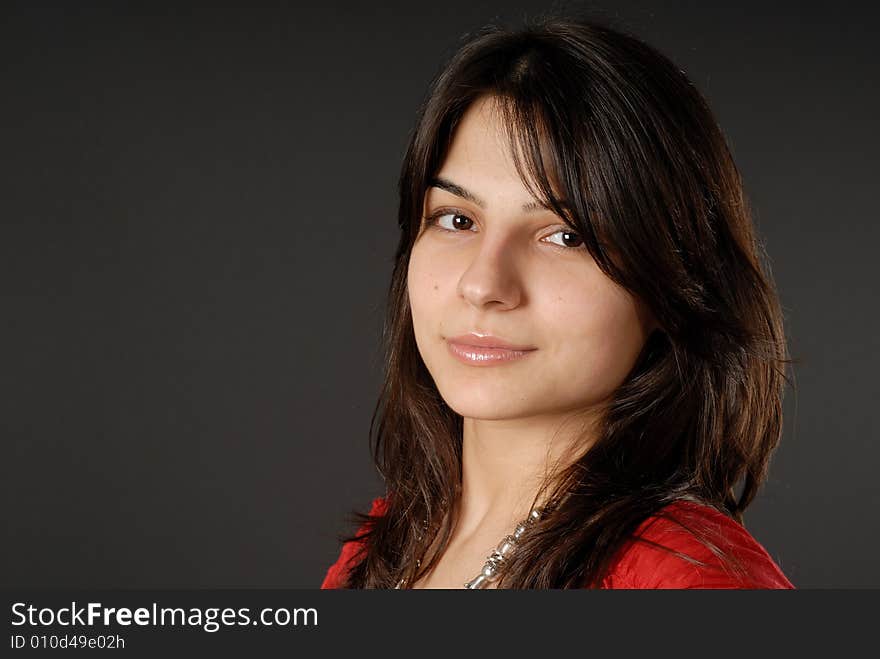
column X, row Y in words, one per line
column 496, row 561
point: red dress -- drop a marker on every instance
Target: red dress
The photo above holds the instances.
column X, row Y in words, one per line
column 641, row 565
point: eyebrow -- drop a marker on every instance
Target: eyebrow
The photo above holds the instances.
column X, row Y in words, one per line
column 460, row 191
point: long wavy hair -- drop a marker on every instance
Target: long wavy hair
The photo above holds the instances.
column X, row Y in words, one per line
column 603, row 121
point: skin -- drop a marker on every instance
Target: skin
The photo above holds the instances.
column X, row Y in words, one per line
column 508, row 273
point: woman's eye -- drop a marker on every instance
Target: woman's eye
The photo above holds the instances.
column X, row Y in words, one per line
column 458, row 221
column 569, row 239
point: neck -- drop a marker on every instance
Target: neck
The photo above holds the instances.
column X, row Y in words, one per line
column 505, row 462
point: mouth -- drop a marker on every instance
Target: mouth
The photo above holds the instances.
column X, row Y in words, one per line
column 479, row 340
column 478, row 355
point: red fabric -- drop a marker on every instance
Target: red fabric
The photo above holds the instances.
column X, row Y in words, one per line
column 336, row 574
column 641, row 565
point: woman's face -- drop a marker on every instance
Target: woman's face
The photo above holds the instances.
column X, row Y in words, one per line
column 488, row 266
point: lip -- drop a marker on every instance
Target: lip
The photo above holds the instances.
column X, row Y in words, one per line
column 487, row 341
column 485, row 350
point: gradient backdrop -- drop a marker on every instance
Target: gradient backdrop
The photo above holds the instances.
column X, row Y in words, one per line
column 198, row 217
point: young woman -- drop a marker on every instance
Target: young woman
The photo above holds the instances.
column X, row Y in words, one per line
column 585, row 351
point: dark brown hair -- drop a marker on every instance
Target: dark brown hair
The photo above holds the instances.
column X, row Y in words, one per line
column 600, row 119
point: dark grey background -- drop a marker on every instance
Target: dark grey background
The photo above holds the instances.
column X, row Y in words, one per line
column 198, row 217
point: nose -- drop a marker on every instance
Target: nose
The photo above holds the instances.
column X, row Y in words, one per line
column 492, row 277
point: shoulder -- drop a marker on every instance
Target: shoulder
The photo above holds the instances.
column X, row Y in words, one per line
column 350, row 550
column 666, row 552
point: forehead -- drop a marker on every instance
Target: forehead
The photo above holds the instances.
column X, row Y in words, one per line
column 480, row 166
column 480, row 157
column 480, row 141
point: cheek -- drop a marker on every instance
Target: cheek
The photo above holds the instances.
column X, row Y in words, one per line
column 424, row 284
column 598, row 328
column 422, row 275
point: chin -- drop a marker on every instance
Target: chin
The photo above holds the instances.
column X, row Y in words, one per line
column 485, row 403
column 484, row 413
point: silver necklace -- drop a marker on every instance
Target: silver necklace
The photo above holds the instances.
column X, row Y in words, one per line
column 496, row 561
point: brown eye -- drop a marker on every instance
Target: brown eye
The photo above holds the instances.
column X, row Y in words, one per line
column 461, row 221
column 569, row 239
column 458, row 222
